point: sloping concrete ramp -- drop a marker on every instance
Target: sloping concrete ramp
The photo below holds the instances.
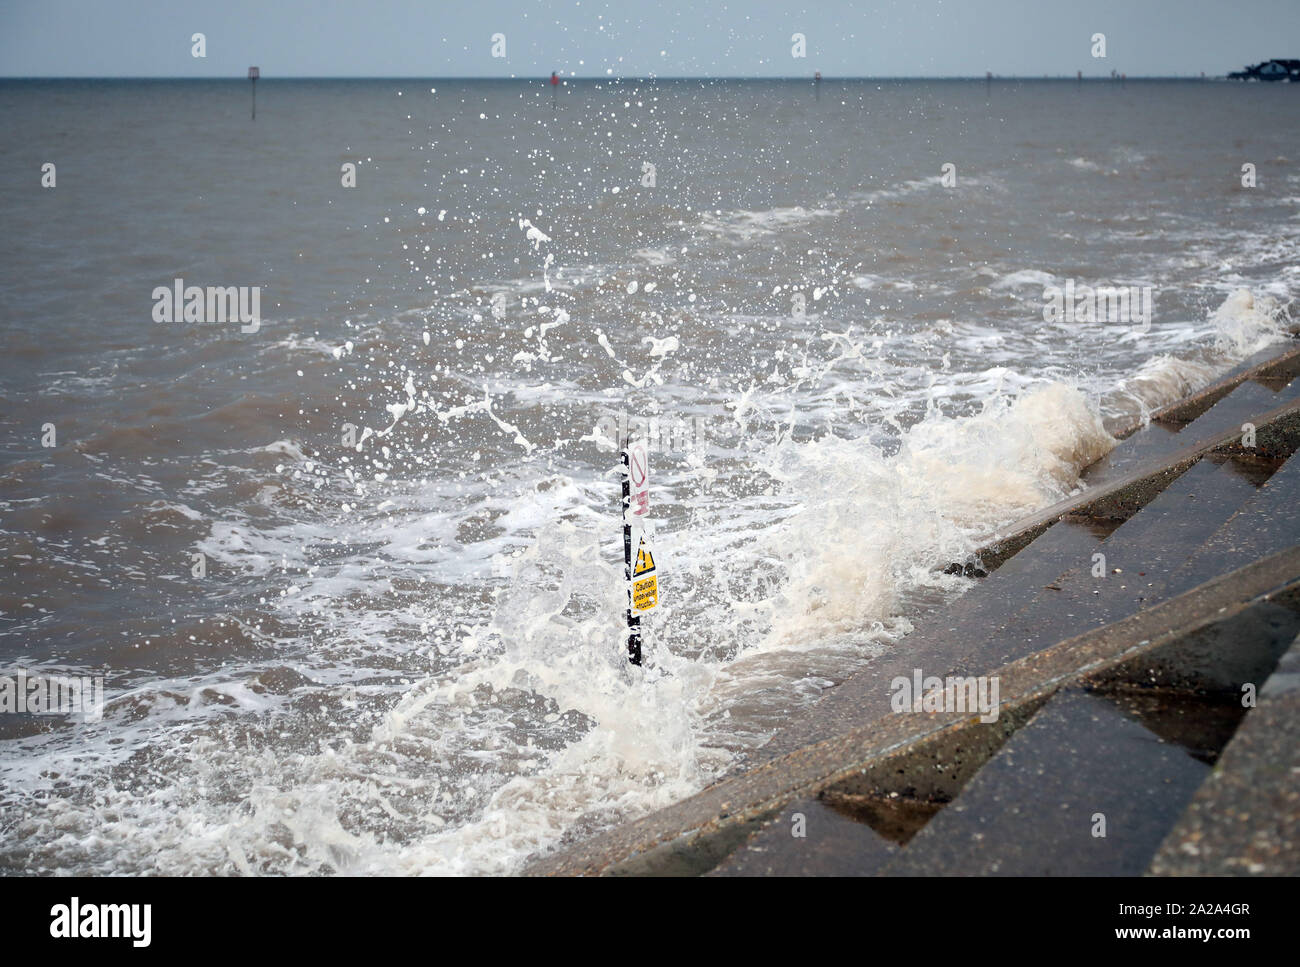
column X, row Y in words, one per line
column 1142, row 637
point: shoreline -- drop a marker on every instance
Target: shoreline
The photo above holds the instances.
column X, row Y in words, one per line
column 1212, row 521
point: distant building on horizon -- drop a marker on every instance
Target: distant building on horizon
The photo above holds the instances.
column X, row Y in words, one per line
column 1278, row 69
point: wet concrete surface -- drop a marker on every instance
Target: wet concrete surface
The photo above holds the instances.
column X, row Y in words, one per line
column 811, row 838
column 1082, row 790
column 1136, row 562
column 1201, row 724
column 1245, row 820
column 1217, row 659
column 1277, row 435
column 1165, row 437
column 1239, row 407
column 948, row 643
column 1274, row 366
column 1145, row 445
column 1269, row 522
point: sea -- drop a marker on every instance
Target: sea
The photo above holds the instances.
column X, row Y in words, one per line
column 349, row 568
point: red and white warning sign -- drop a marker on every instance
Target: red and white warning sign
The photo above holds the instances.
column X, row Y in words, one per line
column 638, row 475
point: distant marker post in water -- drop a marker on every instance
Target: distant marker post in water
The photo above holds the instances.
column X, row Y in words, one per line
column 639, row 566
column 253, row 74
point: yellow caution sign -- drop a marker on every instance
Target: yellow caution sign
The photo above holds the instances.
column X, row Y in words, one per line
column 645, row 559
column 645, row 593
column 644, row 586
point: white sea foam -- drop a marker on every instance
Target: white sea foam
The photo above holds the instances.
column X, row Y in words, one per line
column 744, row 226
column 1246, row 323
column 1023, row 277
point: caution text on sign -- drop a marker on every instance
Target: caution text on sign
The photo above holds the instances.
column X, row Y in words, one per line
column 645, row 593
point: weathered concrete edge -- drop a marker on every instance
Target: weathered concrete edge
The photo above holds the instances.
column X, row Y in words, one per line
column 1283, row 364
column 1245, row 818
column 806, row 771
column 1136, row 488
column 1277, row 431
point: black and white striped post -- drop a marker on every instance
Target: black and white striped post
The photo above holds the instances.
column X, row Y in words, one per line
column 640, row 569
column 633, row 619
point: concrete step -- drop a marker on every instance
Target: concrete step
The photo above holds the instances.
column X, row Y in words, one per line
column 815, row 838
column 1247, row 400
column 1034, row 808
column 1046, row 592
column 1119, row 497
column 1273, row 366
column 1161, row 439
column 948, row 638
column 1215, row 661
column 1152, row 441
column 1268, row 522
column 1245, row 819
column 1140, row 557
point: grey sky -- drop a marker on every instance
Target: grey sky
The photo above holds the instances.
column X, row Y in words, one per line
column 439, row 38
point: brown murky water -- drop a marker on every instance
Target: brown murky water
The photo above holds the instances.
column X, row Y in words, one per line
column 352, row 579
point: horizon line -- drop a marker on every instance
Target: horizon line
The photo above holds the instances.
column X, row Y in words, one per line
column 545, row 78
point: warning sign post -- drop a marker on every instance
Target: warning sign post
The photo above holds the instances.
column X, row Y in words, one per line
column 638, row 542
